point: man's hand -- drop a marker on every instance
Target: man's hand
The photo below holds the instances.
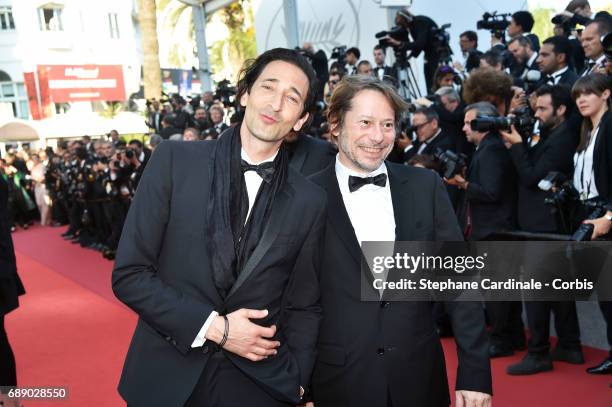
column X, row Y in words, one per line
column 519, row 99
column 511, row 137
column 457, row 181
column 423, row 101
column 465, row 398
column 403, row 141
column 309, row 404
column 601, row 226
column 245, row 338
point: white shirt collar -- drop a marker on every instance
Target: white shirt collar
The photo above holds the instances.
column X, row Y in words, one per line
column 245, row 157
column 533, row 58
column 559, row 72
column 343, row 173
column 432, row 138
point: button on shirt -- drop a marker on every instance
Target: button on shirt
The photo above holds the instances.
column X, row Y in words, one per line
column 253, row 182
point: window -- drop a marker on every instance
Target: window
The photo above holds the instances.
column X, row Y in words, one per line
column 113, row 25
column 15, row 94
column 50, row 18
column 6, row 19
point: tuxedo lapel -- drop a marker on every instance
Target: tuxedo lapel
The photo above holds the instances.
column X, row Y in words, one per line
column 278, row 214
column 338, row 216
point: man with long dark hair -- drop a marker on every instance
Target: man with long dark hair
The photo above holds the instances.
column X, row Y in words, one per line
column 219, row 257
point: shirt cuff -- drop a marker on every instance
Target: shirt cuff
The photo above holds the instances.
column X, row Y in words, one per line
column 408, row 148
column 201, row 337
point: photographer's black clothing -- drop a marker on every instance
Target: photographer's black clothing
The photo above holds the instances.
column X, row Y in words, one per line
column 578, row 56
column 385, row 73
column 166, row 132
column 490, row 198
column 535, row 41
column 441, row 141
column 451, row 124
column 602, row 159
column 422, row 31
column 554, row 152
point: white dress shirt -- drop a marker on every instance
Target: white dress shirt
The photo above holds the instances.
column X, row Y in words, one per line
column 253, row 182
column 584, row 173
column 555, row 77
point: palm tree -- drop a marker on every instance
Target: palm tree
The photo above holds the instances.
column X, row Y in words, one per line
column 147, row 18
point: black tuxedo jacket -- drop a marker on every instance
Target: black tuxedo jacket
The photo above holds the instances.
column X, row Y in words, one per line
column 10, row 284
column 552, row 153
column 389, row 73
column 602, row 159
column 491, row 193
column 163, row 272
column 442, row 141
column 369, row 351
column 568, row 78
column 311, row 155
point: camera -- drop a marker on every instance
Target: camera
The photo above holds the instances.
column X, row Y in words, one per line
column 339, row 54
column 451, row 162
column 129, row 154
column 493, row 22
column 522, row 120
column 225, row 93
column 585, row 230
column 441, row 39
column 397, row 32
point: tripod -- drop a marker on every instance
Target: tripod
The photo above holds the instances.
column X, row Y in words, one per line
column 407, row 85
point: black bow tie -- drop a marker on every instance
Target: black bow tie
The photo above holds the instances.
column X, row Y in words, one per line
column 357, row 182
column 264, row 170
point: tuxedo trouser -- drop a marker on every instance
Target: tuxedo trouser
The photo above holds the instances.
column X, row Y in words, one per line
column 606, row 310
column 8, row 371
column 224, row 385
column 566, row 325
column 506, row 323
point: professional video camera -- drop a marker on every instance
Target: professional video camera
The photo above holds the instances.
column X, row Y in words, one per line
column 569, row 21
column 522, row 119
column 495, row 23
column 441, row 39
column 225, row 93
column 397, row 32
column 339, row 54
column 451, row 163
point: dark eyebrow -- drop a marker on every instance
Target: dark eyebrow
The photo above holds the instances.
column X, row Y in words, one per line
column 293, row 88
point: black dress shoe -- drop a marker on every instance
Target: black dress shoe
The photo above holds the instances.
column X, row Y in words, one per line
column 604, row 367
column 496, row 351
column 575, row 357
column 531, row 364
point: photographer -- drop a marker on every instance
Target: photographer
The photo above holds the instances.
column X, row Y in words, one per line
column 591, row 44
column 216, row 116
column 421, row 29
column 533, row 161
column 492, row 59
column 521, row 25
column 352, row 58
column 201, row 119
column 318, row 60
column 593, row 169
column 525, row 58
column 425, row 123
column 382, row 71
column 488, row 207
column 553, row 61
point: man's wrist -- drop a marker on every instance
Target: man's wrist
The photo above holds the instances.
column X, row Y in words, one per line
column 216, row 329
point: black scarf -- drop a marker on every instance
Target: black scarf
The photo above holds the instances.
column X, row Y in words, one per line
column 231, row 241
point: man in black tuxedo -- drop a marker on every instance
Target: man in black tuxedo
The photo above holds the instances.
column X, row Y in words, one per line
column 382, row 71
column 383, row 353
column 554, row 60
column 216, row 116
column 533, row 159
column 430, row 137
column 489, row 206
column 309, row 155
column 220, row 254
column 521, row 25
column 525, row 57
column 10, row 289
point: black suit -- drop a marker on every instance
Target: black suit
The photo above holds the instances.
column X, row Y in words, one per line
column 441, row 141
column 567, row 78
column 554, row 152
column 371, row 352
column 311, row 155
column 10, row 289
column 163, row 272
column 491, row 194
column 388, row 73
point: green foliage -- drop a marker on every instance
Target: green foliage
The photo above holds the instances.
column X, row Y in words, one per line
column 111, row 109
column 542, row 27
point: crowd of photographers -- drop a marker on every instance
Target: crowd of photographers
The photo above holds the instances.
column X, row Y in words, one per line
column 521, row 134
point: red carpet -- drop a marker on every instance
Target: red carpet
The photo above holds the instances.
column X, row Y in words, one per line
column 70, row 331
